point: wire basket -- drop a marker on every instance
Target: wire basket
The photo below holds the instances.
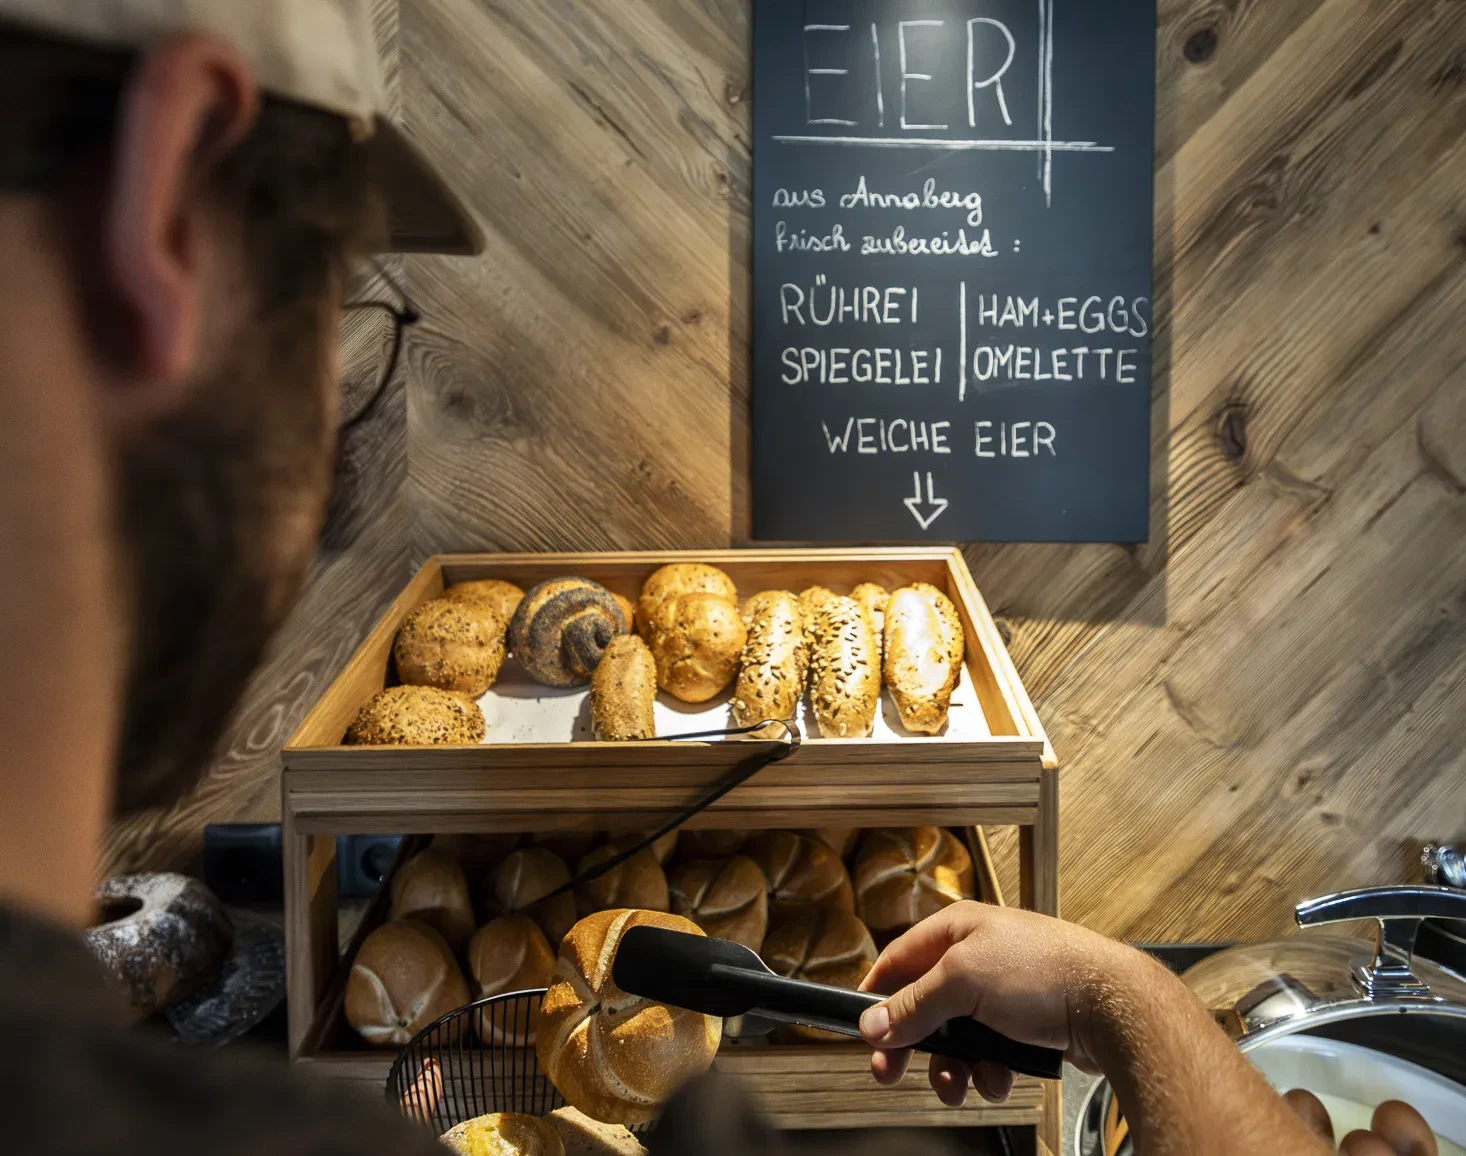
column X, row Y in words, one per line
column 474, row 1061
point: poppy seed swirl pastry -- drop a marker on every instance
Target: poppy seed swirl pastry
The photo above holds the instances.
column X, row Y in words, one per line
column 562, row 629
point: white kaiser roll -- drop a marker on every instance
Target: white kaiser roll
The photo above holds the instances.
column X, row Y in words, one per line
column 508, row 954
column 522, row 882
column 617, row 1057
column 905, row 874
column 638, row 882
column 404, row 977
column 801, row 873
column 432, row 888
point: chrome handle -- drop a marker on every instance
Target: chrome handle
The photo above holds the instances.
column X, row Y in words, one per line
column 1399, row 912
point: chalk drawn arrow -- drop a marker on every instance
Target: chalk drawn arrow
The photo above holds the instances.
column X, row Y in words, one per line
column 934, row 503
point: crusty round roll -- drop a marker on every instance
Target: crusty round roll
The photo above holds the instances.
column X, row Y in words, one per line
column 478, row 855
column 510, row 953
column 432, row 888
column 639, row 882
column 923, row 655
column 562, row 629
column 696, row 640
column 623, row 692
column 844, row 669
column 681, row 578
column 504, row 1134
column 617, row 1057
column 840, row 840
column 701, row 844
column 905, row 874
column 728, row 898
column 800, row 873
column 503, row 598
column 662, row 848
column 569, row 845
column 823, row 945
column 522, row 883
column 775, row 660
column 403, row 978
column 416, row 716
column 450, row 645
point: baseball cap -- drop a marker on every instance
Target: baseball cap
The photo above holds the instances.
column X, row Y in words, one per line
column 320, row 53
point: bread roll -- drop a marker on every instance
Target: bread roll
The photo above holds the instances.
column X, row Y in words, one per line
column 623, row 692
column 905, row 874
column 617, row 1057
column 562, row 629
column 450, row 645
column 403, row 978
column 523, row 881
column 506, row 954
column 569, row 845
column 639, row 882
column 812, row 600
column 823, row 945
column 702, row 844
column 583, row 1136
column 431, row 887
column 696, row 640
column 727, row 898
column 775, row 659
column 681, row 578
column 840, row 840
column 923, row 655
column 873, row 598
column 416, row 716
column 800, row 872
column 503, row 598
column 662, row 848
column 844, row 669
column 504, row 1134
column 478, row 855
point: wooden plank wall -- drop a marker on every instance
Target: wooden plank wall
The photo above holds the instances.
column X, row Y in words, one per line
column 1262, row 703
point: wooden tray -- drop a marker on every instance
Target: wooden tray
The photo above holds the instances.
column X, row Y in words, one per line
column 1005, row 777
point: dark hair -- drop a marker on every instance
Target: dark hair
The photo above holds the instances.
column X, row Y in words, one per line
column 298, row 181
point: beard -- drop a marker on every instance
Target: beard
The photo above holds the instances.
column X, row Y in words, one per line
column 218, row 513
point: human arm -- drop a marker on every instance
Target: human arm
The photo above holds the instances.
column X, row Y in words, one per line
column 1182, row 1084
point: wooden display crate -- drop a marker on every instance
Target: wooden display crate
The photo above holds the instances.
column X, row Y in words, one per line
column 1005, row 778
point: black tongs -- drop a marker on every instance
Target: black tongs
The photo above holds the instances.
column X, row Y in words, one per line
column 721, row 978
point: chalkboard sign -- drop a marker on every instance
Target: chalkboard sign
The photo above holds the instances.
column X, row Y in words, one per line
column 952, row 269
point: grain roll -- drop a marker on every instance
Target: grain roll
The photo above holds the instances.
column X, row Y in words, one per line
column 623, row 692
column 923, row 656
column 562, row 629
column 503, row 598
column 414, row 716
column 844, row 669
column 450, row 645
column 696, row 640
column 775, row 660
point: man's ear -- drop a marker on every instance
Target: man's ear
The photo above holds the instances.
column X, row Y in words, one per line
column 189, row 100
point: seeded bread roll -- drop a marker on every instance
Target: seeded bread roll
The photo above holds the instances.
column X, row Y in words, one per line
column 823, row 945
column 431, row 887
column 923, row 656
column 812, row 600
column 844, row 669
column 416, row 716
column 903, row 875
column 450, row 645
column 775, row 660
column 504, row 1134
column 677, row 579
column 800, row 872
column 506, row 954
column 403, row 978
column 873, row 598
column 503, row 598
column 522, row 883
column 617, row 1057
column 639, row 882
column 728, row 899
column 696, row 640
column 562, row 629
column 623, row 692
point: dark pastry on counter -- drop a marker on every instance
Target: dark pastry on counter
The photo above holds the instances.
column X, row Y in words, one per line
column 405, row 976
column 775, row 660
column 681, row 578
column 432, row 888
column 161, row 936
column 417, row 716
column 450, row 645
column 844, row 668
column 562, row 628
column 503, row 598
column 923, row 655
column 623, row 691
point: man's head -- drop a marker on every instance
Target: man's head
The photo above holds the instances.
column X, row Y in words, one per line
column 189, row 236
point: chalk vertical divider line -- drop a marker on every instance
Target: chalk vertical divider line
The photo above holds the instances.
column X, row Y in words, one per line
column 1039, row 114
column 962, row 336
column 1048, row 125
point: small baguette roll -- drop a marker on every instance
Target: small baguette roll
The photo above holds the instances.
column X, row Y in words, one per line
column 522, row 883
column 623, row 691
column 504, row 1134
column 696, row 640
column 873, row 598
column 905, row 874
column 823, row 945
column 503, row 598
column 507, row 954
column 639, row 882
column 403, row 978
column 775, row 659
column 800, row 873
column 617, row 1057
column 923, row 656
column 728, row 899
column 844, row 669
column 431, row 887
column 455, row 646
column 681, row 578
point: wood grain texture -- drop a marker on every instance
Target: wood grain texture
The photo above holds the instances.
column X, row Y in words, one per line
column 1260, row 704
